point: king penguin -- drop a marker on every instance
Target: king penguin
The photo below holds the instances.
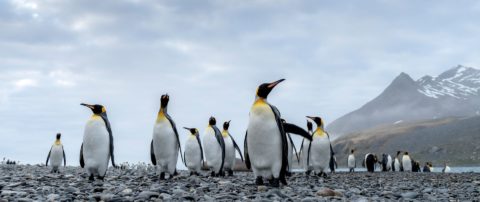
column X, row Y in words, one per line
column 265, row 146
column 193, row 155
column 97, row 146
column 56, row 154
column 351, row 163
column 319, row 149
column 397, row 166
column 304, row 149
column 165, row 143
column 230, row 147
column 446, row 168
column 214, row 148
column 406, row 162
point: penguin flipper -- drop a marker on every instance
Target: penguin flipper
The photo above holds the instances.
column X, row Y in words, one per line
column 283, row 170
column 236, row 146
column 220, row 141
column 294, row 129
column 48, row 157
column 200, row 145
column 82, row 162
column 64, row 158
column 152, row 154
column 176, row 134
column 308, row 154
column 245, row 152
column 110, row 135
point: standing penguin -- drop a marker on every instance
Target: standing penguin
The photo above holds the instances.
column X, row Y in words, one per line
column 214, row 148
column 266, row 144
column 319, row 149
column 230, row 147
column 97, row 146
column 304, row 149
column 351, row 163
column 446, row 168
column 406, row 162
column 386, row 162
column 370, row 161
column 397, row 166
column 56, row 154
column 165, row 143
column 193, row 155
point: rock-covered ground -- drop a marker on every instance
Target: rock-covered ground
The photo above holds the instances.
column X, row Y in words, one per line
column 27, row 183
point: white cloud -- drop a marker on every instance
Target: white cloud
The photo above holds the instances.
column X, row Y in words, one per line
column 25, row 83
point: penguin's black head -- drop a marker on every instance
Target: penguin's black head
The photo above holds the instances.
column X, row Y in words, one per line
column 164, row 100
column 398, row 152
column 96, row 109
column 309, row 126
column 317, row 120
column 265, row 89
column 58, row 136
column 406, row 153
column 351, row 151
column 193, row 131
column 212, row 121
column 226, row 125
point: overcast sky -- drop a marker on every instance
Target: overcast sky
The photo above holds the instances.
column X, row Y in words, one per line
column 209, row 56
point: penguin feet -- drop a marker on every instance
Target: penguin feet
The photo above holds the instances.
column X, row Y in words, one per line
column 101, row 178
column 212, row 174
column 308, row 172
column 230, row 173
column 175, row 173
column 221, row 174
column 91, row 178
column 259, row 181
column 288, row 174
column 322, row 174
column 275, row 182
column 162, row 176
column 192, row 173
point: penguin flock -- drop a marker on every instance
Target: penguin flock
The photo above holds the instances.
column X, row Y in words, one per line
column 268, row 146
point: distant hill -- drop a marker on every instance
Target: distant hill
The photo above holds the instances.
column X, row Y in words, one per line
column 455, row 140
column 455, row 92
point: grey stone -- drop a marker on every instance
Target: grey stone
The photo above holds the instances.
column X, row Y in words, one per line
column 148, row 195
column 409, row 195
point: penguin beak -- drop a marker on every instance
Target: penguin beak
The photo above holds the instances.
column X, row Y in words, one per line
column 311, row 117
column 87, row 105
column 187, row 128
column 273, row 84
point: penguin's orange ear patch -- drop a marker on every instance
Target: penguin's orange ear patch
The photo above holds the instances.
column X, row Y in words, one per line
column 104, row 110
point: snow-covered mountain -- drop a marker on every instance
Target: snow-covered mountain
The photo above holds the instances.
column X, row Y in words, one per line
column 455, row 92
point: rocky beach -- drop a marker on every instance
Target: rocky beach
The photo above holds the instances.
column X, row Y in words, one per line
column 35, row 183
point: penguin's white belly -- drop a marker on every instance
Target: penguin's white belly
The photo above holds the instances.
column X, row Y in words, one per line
column 165, row 146
column 351, row 161
column 407, row 163
column 96, row 147
column 229, row 153
column 213, row 151
column 397, row 164
column 193, row 154
column 446, row 169
column 264, row 143
column 320, row 153
column 56, row 156
column 389, row 162
column 305, row 154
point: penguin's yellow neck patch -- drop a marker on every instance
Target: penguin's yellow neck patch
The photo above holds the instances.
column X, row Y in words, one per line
column 95, row 117
column 319, row 132
column 161, row 115
column 192, row 136
column 225, row 133
column 259, row 106
column 57, row 142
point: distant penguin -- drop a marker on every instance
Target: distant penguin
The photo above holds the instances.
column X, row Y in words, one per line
column 386, row 162
column 56, row 154
column 426, row 168
column 304, row 149
column 266, row 144
column 214, row 148
column 333, row 163
column 416, row 166
column 165, row 144
column 97, row 146
column 193, row 155
column 230, row 147
column 370, row 161
column 446, row 168
column 406, row 162
column 397, row 166
column 319, row 151
column 351, row 163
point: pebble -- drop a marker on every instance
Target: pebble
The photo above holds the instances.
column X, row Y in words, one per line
column 409, row 195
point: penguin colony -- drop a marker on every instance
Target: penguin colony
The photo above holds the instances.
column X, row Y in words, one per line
column 268, row 146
